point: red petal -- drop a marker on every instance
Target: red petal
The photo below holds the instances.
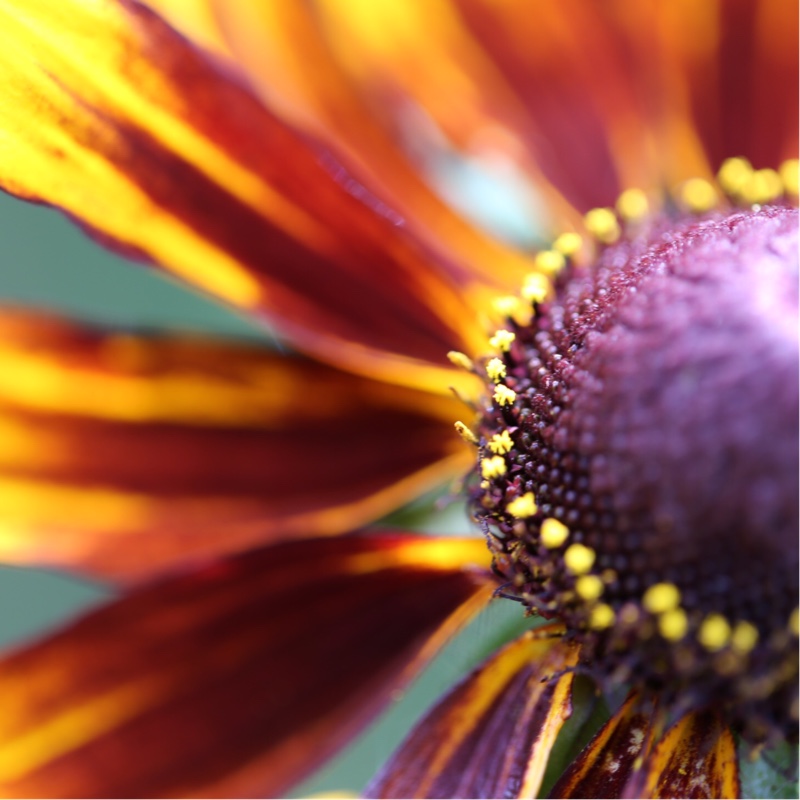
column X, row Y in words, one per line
column 234, row 680
column 195, row 19
column 124, row 454
column 289, row 60
column 492, row 735
column 604, row 766
column 110, row 114
column 596, row 97
column 737, row 63
column 696, row 758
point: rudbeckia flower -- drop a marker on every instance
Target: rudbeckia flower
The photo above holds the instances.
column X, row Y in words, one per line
column 625, row 392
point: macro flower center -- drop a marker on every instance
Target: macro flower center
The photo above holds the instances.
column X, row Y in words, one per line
column 637, row 477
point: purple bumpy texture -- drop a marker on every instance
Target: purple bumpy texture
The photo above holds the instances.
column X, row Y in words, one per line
column 657, row 417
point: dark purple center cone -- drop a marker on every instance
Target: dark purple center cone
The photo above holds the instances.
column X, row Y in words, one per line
column 656, row 416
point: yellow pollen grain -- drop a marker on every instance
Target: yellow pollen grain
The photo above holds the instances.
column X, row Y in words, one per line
column 589, row 587
column 794, row 622
column 744, row 637
column 536, row 287
column 790, row 175
column 551, row 262
column 672, row 624
column 494, row 467
column 698, row 195
column 733, row 174
column 633, row 205
column 602, row 225
column 763, row 186
column 579, row 558
column 601, row 617
column 553, row 533
column 501, row 443
column 507, row 306
column 661, row 597
column 568, row 243
column 495, row 370
column 461, row 360
column 503, row 395
column 522, row 507
column 502, row 340
column 714, row 633
column 465, row 433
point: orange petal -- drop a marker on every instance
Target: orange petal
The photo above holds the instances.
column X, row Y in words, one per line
column 604, row 766
column 293, row 66
column 735, row 65
column 546, row 84
column 109, row 113
column 491, row 736
column 576, row 67
column 123, row 454
column 696, row 758
column 594, row 97
column 236, row 679
column 195, row 19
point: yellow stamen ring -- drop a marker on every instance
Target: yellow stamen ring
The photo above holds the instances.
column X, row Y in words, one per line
column 661, row 597
column 503, row 395
column 714, row 633
column 734, row 174
column 698, row 195
column 501, row 443
column 568, row 244
column 461, row 360
column 522, row 507
column 763, row 186
column 493, row 467
column 579, row 558
column 536, row 287
column 589, row 587
column 601, row 617
column 794, row 622
column 633, row 205
column 602, row 225
column 495, row 370
column 672, row 624
column 502, row 340
column 507, row 306
column 744, row 637
column 465, row 433
column 553, row 533
column 790, row 175
column 551, row 262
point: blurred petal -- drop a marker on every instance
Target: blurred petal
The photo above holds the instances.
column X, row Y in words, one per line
column 195, row 19
column 123, row 454
column 110, row 114
column 737, row 63
column 672, row 86
column 491, row 736
column 607, row 762
column 696, row 758
column 236, row 679
column 584, row 71
column 293, row 67
column 542, row 82
column 592, row 97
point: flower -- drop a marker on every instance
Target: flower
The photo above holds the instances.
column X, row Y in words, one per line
column 255, row 154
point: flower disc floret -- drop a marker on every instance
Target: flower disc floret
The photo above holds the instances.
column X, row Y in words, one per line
column 654, row 419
